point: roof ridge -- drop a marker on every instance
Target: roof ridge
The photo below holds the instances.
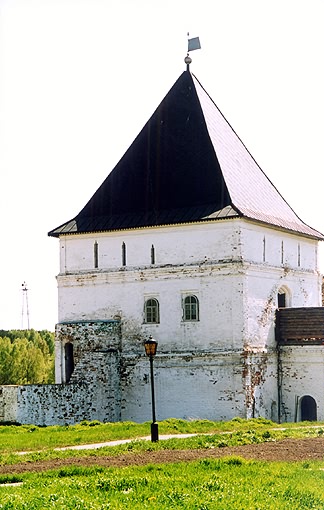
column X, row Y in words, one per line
column 283, row 224
column 186, row 157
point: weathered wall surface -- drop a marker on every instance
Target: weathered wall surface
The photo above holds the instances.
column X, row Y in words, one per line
column 235, row 268
column 94, row 342
column 8, row 403
column 93, row 392
column 182, row 244
column 301, row 374
column 223, row 365
column 215, row 386
column 173, row 245
column 58, row 404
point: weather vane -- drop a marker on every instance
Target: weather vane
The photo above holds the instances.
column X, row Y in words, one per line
column 193, row 44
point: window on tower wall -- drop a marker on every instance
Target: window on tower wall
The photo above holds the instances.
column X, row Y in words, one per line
column 123, row 254
column 283, row 297
column 95, row 255
column 151, row 311
column 281, row 300
column 152, row 254
column 190, row 308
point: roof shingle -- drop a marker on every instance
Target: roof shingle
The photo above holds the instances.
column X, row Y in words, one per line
column 186, row 165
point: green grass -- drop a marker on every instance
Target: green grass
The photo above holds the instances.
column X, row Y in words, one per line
column 30, row 437
column 233, row 433
column 229, row 483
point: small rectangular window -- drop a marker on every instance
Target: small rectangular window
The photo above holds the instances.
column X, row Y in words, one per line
column 95, row 255
column 282, row 252
column 123, row 254
column 298, row 255
column 152, row 254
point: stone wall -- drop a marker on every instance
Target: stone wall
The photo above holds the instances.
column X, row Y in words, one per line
column 223, row 365
column 300, row 374
column 93, row 392
column 216, row 386
column 92, row 341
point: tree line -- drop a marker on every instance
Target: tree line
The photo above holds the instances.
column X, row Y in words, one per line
column 26, row 357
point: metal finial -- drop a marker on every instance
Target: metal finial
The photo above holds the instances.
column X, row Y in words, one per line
column 188, row 61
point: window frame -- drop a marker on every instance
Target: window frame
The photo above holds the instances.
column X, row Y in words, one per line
column 188, row 302
column 152, row 311
column 284, row 290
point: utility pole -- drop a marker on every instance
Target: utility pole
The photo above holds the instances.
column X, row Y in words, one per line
column 25, row 308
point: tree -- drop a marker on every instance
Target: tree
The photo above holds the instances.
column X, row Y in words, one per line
column 26, row 357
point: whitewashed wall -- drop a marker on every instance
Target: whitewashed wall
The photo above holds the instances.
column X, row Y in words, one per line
column 184, row 244
column 227, row 265
column 302, row 374
column 219, row 367
column 234, row 267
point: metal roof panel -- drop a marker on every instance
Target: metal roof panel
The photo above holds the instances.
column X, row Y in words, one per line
column 187, row 164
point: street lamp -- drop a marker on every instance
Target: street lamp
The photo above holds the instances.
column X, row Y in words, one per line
column 150, row 351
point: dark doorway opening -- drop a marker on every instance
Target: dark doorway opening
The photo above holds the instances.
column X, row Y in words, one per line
column 308, row 409
column 69, row 361
column 281, row 300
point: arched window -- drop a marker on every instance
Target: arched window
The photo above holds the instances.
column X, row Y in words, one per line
column 281, row 300
column 190, row 308
column 151, row 311
column 283, row 297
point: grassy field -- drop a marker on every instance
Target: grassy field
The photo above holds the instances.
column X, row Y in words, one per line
column 30, row 437
column 228, row 483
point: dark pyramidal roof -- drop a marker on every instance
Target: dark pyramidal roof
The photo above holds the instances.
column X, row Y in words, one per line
column 186, row 165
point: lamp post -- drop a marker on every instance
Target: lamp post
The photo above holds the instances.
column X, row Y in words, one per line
column 150, row 351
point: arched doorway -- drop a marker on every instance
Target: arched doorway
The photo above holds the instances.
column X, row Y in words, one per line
column 69, row 360
column 308, row 409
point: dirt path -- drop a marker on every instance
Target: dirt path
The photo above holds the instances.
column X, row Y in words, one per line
column 286, row 450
